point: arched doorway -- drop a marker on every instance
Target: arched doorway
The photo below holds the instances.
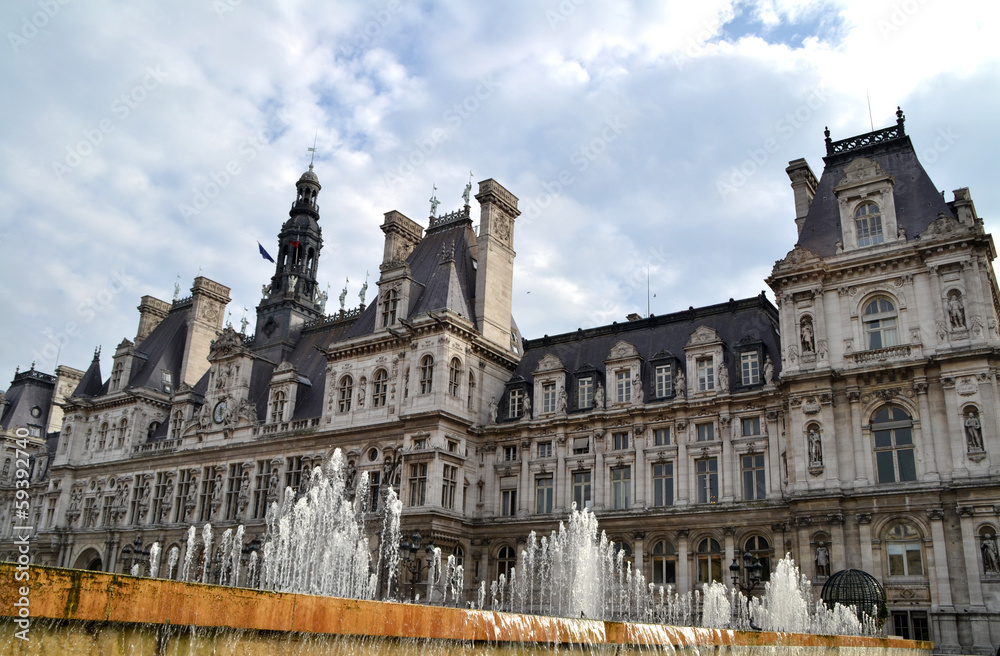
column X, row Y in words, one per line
column 91, row 560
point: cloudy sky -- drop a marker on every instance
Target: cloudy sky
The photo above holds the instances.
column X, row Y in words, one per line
column 147, row 143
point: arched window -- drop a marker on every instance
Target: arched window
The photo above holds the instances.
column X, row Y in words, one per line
column 379, row 384
column 459, row 556
column 153, row 425
column 904, row 551
column 454, row 376
column 472, row 390
column 102, row 435
column 278, row 407
column 759, row 548
column 895, row 460
column 426, row 374
column 506, row 559
column 116, row 376
column 664, row 563
column 346, row 387
column 709, row 557
column 880, row 324
column 120, row 439
column 868, row 223
column 389, row 303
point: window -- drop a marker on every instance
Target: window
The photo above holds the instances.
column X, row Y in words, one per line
column 120, row 435
column 233, row 491
column 751, row 426
column 505, row 562
column 663, row 484
column 544, row 491
column 426, row 374
column 663, row 380
column 545, row 449
column 548, row 397
column 159, row 497
column 902, row 547
column 380, row 383
column 621, row 487
column 759, row 548
column 374, row 487
column 418, row 484
column 102, row 435
column 50, row 513
column 880, row 324
column 167, row 381
column 515, row 404
column 186, row 485
column 892, row 428
column 581, row 489
column 706, row 432
column 754, row 488
column 585, row 393
column 293, row 472
column 454, row 377
column 911, row 624
column 389, row 303
column 708, row 480
column 278, row 407
column 452, row 446
column 581, row 446
column 107, row 508
column 153, row 426
column 510, row 453
column 262, row 485
column 868, row 223
column 619, row 441
column 419, row 443
column 750, row 368
column 664, row 563
column 448, row 486
column 623, row 381
column 133, row 513
column 508, row 496
column 175, row 430
column 346, row 389
column 205, row 498
column 709, row 557
column 472, row 390
column 116, row 376
column 661, row 436
column 706, row 374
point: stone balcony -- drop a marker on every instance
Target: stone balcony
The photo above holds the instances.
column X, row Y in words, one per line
column 889, row 354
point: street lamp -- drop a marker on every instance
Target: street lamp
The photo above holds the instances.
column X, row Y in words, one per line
column 415, row 565
column 135, row 556
column 752, row 570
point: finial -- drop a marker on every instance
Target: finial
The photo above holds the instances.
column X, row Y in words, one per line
column 312, row 150
column 434, row 202
column 829, row 141
column 32, row 365
column 97, row 353
column 900, row 118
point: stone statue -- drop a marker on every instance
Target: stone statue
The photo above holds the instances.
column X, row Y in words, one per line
column 321, row 299
column 768, row 370
column 177, row 290
column 434, row 202
column 637, row 390
column 806, row 335
column 815, row 448
column 822, row 560
column 364, row 289
column 561, row 402
column 973, row 431
column 956, row 311
column 599, row 397
column 343, row 294
column 723, row 378
column 527, row 406
column 292, row 281
column 681, row 385
column 991, row 560
column 243, row 325
column 468, row 189
column 493, row 410
column 265, row 290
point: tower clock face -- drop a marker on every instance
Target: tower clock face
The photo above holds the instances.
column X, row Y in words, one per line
column 220, row 412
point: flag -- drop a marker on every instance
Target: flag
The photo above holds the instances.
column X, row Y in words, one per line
column 295, row 244
column 264, row 254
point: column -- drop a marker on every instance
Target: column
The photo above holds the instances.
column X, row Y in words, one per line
column 928, row 431
column 970, row 547
column 639, row 552
column 730, row 548
column 773, row 447
column 941, row 601
column 639, row 474
column 683, row 467
column 524, row 502
column 683, row 566
column 561, row 484
column 863, row 474
column 865, row 537
column 728, row 467
column 597, row 499
column 838, row 557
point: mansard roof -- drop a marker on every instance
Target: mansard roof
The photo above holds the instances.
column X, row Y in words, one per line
column 918, row 202
column 735, row 320
column 163, row 348
column 91, row 384
column 29, row 389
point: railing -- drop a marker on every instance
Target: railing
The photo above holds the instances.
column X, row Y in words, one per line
column 865, row 140
column 165, row 445
column 342, row 315
column 882, row 355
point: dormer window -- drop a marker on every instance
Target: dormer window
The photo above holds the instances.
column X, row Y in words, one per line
column 585, row 392
column 548, row 397
column 515, row 404
column 706, row 374
column 623, row 380
column 389, row 303
column 868, row 223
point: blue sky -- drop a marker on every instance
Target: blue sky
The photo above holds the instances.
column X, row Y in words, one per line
column 622, row 127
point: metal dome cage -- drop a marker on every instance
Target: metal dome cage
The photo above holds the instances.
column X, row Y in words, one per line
column 857, row 588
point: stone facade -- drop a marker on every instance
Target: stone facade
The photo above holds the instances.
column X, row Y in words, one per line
column 853, row 426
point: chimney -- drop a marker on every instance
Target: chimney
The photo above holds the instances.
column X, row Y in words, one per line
column 151, row 312
column 204, row 321
column 401, row 236
column 495, row 265
column 804, row 187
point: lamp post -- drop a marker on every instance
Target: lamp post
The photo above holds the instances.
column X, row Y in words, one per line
column 135, row 554
column 751, row 572
column 415, row 565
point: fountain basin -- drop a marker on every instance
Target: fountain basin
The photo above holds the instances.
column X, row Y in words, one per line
column 83, row 612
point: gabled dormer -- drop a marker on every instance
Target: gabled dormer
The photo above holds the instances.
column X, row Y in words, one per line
column 121, row 369
column 550, row 387
column 662, row 376
column 623, row 371
column 705, row 362
column 282, row 393
column 867, row 206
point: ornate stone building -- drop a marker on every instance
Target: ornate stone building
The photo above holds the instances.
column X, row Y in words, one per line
column 854, row 426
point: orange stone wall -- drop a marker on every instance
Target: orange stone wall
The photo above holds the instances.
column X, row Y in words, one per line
column 76, row 612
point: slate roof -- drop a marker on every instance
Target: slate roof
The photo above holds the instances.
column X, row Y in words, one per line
column 91, row 384
column 918, row 202
column 754, row 318
column 29, row 389
column 163, row 348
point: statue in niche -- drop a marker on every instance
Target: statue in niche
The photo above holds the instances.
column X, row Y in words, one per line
column 561, row 402
column 991, row 559
column 723, row 380
column 493, row 410
column 682, row 389
column 822, row 560
column 806, row 335
column 349, row 476
column 527, row 407
column 973, row 431
column 815, row 448
column 637, row 390
column 599, row 397
column 956, row 311
column 292, row 281
column 768, row 370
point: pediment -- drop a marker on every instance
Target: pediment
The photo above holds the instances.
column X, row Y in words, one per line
column 622, row 351
column 942, row 225
column 860, row 170
column 549, row 363
column 703, row 335
column 227, row 344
